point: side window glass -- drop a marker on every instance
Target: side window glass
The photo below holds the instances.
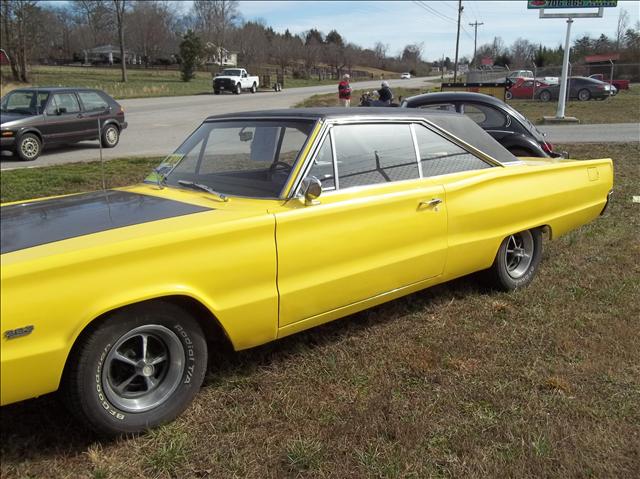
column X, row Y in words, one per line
column 439, row 107
column 92, row 101
column 439, row 156
column 322, row 167
column 484, row 116
column 372, row 154
column 63, row 100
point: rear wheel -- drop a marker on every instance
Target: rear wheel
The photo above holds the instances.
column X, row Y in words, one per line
column 517, row 260
column 584, row 95
column 110, row 136
column 545, row 95
column 254, row 88
column 216, row 92
column 141, row 367
column 29, row 147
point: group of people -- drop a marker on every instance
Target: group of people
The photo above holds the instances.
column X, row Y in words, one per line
column 385, row 95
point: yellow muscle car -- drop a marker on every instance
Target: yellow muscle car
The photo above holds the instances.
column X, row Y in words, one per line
column 261, row 225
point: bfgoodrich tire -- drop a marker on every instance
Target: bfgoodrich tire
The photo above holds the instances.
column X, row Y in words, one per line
column 140, row 367
column 517, row 260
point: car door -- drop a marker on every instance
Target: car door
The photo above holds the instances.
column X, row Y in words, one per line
column 377, row 226
column 65, row 121
column 94, row 107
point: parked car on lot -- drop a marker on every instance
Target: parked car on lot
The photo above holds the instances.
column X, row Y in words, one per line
column 503, row 122
column 618, row 84
column 581, row 88
column 34, row 118
column 235, row 80
column 260, row 225
column 523, row 88
column 405, row 76
column 515, row 74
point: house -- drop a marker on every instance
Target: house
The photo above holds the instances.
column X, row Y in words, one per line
column 110, row 54
column 215, row 53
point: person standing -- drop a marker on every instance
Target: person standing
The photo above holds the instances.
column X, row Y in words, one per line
column 386, row 95
column 344, row 91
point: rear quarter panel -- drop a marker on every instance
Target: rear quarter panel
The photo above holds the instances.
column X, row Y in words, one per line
column 486, row 207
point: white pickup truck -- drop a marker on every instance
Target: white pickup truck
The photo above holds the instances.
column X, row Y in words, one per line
column 235, row 80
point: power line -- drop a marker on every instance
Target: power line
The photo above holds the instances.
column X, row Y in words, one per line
column 435, row 12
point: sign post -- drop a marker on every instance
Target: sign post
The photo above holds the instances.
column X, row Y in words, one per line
column 541, row 5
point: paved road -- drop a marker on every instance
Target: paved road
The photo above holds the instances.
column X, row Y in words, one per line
column 157, row 126
column 614, row 133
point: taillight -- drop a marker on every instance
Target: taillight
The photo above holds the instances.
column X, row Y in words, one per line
column 547, row 147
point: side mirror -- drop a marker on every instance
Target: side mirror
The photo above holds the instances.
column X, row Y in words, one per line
column 311, row 190
column 61, row 110
column 245, row 135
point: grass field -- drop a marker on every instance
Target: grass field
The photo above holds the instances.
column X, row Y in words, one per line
column 454, row 381
column 622, row 108
column 141, row 83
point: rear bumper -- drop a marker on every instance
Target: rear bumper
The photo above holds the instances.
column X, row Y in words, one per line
column 606, row 205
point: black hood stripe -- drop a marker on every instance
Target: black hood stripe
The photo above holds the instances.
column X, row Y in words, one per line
column 31, row 224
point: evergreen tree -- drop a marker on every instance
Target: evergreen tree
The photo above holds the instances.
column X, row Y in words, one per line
column 190, row 50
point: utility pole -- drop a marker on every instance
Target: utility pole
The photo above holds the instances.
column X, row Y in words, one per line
column 455, row 66
column 475, row 25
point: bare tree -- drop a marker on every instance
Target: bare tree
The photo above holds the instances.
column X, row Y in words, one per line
column 380, row 50
column 623, row 23
column 155, row 25
column 120, row 7
column 17, row 34
column 522, row 52
column 214, row 19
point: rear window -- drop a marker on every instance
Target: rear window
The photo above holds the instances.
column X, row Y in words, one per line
column 92, row 101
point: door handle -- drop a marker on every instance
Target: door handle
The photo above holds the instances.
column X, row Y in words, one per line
column 80, row 115
column 430, row 203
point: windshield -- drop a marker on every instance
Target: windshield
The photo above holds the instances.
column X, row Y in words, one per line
column 231, row 73
column 252, row 158
column 25, row 102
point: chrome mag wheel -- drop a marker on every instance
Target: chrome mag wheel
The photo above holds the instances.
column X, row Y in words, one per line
column 143, row 368
column 519, row 253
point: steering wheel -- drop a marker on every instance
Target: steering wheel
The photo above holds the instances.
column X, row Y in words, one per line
column 279, row 167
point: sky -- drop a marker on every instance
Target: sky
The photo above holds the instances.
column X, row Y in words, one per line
column 398, row 23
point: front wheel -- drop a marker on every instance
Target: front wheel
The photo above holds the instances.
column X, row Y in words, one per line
column 517, row 260
column 508, row 95
column 141, row 367
column 29, row 147
column 238, row 89
column 110, row 136
column 584, row 95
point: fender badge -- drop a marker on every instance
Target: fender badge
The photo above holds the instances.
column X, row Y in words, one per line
column 18, row 332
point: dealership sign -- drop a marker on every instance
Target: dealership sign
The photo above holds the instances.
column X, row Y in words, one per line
column 539, row 4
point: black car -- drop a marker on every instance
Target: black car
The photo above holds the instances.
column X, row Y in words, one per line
column 582, row 88
column 33, row 118
column 508, row 126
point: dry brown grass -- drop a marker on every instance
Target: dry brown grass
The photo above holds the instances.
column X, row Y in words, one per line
column 455, row 381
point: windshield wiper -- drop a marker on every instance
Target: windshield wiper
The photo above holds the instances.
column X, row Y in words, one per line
column 199, row 186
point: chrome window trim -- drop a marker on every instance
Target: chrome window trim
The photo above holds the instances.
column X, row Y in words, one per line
column 415, row 148
column 327, row 129
column 334, row 159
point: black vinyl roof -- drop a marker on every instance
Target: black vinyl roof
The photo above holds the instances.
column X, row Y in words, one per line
column 458, row 125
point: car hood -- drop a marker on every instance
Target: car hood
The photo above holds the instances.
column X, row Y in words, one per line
column 8, row 117
column 25, row 225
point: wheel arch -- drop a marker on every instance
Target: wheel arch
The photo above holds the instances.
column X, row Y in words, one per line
column 32, row 130
column 206, row 319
